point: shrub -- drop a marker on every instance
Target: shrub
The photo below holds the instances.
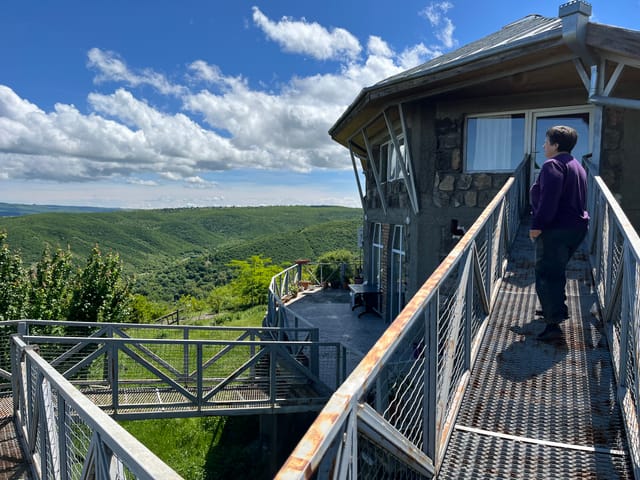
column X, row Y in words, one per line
column 329, row 268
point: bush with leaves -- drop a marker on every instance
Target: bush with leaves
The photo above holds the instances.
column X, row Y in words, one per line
column 101, row 292
column 331, row 264
column 50, row 286
column 14, row 287
column 251, row 282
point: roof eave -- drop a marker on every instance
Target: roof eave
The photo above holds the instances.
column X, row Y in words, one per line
column 550, row 38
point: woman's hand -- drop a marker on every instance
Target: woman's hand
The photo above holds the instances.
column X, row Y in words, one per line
column 533, row 234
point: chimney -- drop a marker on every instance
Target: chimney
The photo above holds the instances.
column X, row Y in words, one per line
column 575, row 18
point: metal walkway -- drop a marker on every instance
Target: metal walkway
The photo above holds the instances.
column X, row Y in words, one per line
column 534, row 409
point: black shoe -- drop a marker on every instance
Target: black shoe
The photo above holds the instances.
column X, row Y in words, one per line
column 540, row 313
column 551, row 332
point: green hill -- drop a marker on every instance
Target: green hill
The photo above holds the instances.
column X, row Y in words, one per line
column 178, row 251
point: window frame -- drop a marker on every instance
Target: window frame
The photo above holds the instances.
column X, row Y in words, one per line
column 530, row 116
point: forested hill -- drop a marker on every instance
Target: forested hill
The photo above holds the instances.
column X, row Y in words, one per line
column 178, row 251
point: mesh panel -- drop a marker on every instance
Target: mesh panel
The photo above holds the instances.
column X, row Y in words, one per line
column 479, row 457
column 378, row 464
column 401, row 386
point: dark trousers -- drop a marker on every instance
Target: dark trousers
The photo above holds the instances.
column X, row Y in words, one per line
column 554, row 249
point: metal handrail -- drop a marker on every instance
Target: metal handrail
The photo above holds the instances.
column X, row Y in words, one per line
column 128, row 330
column 147, row 378
column 393, row 415
column 614, row 251
column 65, row 434
column 286, row 284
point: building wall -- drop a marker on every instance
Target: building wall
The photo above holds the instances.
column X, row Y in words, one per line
column 445, row 191
column 620, row 159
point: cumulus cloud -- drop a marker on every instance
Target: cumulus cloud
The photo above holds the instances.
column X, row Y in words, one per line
column 110, row 68
column 300, row 36
column 225, row 124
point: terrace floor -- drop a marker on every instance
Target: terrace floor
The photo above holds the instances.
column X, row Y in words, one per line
column 329, row 310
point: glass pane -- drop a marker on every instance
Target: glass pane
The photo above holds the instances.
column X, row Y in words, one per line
column 579, row 121
column 494, row 143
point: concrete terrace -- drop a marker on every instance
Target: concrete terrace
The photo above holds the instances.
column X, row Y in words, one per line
column 329, row 310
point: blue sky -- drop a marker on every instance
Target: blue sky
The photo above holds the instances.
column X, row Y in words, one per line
column 155, row 104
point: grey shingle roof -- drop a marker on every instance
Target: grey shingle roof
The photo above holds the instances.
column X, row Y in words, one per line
column 530, row 29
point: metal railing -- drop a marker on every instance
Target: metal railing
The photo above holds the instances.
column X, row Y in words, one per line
column 65, row 434
column 393, row 416
column 158, row 371
column 614, row 249
column 286, row 284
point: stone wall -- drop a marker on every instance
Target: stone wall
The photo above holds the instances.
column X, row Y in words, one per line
column 452, row 187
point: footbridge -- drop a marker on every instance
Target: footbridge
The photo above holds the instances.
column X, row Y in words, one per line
column 69, row 380
column 457, row 387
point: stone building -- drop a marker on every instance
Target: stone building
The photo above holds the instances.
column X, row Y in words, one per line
column 431, row 146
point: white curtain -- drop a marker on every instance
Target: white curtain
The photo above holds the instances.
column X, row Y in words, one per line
column 492, row 150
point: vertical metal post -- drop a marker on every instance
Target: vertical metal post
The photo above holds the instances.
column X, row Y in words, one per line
column 609, row 272
column 42, row 426
column 429, row 397
column 626, row 297
column 185, row 355
column 115, row 376
column 272, row 375
column 199, row 374
column 62, row 434
column 468, row 314
column 314, row 361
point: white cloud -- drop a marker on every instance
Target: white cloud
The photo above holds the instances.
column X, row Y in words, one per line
column 224, row 126
column 111, row 68
column 436, row 13
column 299, row 36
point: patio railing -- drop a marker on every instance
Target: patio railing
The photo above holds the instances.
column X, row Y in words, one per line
column 615, row 262
column 68, row 436
column 393, row 415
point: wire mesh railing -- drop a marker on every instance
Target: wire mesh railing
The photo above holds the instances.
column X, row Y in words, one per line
column 304, row 274
column 614, row 248
column 66, row 435
column 151, row 378
column 145, row 331
column 393, row 416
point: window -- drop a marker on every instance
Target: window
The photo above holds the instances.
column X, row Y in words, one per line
column 390, row 161
column 494, row 143
column 376, row 254
column 397, row 271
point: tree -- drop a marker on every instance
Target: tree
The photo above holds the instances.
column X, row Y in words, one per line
column 333, row 265
column 50, row 291
column 144, row 310
column 13, row 282
column 221, row 298
column 252, row 279
column 100, row 292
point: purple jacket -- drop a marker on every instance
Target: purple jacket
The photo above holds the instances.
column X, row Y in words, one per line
column 559, row 196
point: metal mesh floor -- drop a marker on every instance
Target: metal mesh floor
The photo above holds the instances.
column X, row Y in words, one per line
column 537, row 409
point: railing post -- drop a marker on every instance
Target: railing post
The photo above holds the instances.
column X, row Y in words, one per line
column 314, row 361
column 468, row 320
column 199, row 375
column 430, row 417
column 272, row 375
column 114, row 376
column 626, row 313
column 62, row 434
column 185, row 355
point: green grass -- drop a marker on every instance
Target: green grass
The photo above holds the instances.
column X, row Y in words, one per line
column 182, row 443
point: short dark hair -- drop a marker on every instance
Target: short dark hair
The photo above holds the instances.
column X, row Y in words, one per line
column 565, row 137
